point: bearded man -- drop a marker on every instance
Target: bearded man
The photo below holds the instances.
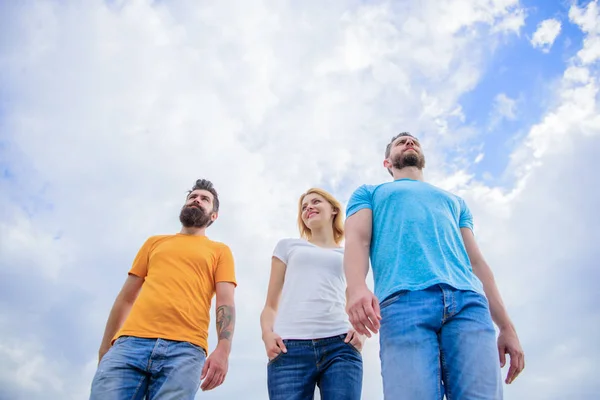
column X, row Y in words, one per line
column 156, row 338
column 435, row 296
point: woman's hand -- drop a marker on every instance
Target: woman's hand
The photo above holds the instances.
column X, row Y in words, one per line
column 273, row 345
column 355, row 339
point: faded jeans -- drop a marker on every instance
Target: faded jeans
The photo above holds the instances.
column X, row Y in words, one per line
column 156, row 368
column 438, row 341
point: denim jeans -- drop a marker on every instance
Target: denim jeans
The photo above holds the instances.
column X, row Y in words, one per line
column 438, row 341
column 156, row 368
column 329, row 363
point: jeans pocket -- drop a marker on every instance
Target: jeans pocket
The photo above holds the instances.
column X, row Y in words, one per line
column 195, row 346
column 392, row 298
column 120, row 339
column 277, row 357
column 354, row 348
column 343, row 338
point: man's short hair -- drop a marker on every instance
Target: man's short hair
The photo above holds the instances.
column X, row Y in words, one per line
column 204, row 184
column 388, row 148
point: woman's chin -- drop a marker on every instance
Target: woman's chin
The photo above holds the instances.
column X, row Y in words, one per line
column 314, row 223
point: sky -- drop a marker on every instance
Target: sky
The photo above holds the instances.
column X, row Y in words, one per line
column 110, row 110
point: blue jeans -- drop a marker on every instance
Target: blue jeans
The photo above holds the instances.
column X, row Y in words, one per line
column 438, row 341
column 156, row 368
column 334, row 366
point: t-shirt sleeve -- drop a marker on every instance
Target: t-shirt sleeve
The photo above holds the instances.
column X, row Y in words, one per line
column 360, row 199
column 466, row 218
column 140, row 263
column 225, row 271
column 281, row 250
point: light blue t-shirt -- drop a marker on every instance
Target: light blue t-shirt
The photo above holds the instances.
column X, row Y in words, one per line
column 416, row 240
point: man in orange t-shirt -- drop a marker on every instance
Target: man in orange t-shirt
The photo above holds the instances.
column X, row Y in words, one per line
column 156, row 338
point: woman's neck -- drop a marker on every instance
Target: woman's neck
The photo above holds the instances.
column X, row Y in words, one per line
column 322, row 236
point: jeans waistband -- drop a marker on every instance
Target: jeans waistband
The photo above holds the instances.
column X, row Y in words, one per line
column 314, row 342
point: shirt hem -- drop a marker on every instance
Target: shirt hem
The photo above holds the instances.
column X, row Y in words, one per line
column 357, row 209
column 235, row 284
column 414, row 288
column 198, row 343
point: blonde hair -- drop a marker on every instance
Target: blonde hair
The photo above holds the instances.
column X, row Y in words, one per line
column 338, row 220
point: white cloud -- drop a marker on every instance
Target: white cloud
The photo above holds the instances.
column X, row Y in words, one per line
column 116, row 109
column 541, row 238
column 546, row 33
column 512, row 23
column 587, row 18
column 505, row 106
column 24, row 243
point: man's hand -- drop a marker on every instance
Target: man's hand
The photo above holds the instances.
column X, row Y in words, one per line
column 355, row 339
column 508, row 343
column 216, row 365
column 215, row 369
column 363, row 310
column 273, row 345
column 103, row 350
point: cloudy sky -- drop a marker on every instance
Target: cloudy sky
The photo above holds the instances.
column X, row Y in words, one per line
column 109, row 111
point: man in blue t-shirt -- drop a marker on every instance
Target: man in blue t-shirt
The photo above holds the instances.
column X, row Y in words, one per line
column 433, row 288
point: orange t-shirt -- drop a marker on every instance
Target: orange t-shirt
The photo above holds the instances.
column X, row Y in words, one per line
column 180, row 274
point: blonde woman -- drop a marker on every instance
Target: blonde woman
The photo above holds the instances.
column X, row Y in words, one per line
column 307, row 335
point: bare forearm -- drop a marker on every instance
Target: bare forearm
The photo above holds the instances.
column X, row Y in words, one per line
column 497, row 308
column 120, row 310
column 356, row 264
column 267, row 320
column 116, row 318
column 225, row 325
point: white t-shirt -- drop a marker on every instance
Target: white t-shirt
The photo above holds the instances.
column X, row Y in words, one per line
column 313, row 298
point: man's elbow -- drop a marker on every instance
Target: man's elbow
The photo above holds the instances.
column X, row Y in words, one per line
column 482, row 269
column 128, row 298
column 225, row 292
column 358, row 241
column 227, row 299
column 131, row 289
column 365, row 242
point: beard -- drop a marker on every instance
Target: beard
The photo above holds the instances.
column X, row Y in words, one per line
column 411, row 159
column 194, row 217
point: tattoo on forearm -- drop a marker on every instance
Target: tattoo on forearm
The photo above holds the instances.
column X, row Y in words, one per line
column 225, row 321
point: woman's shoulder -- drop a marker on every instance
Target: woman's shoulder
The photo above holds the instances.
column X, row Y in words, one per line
column 288, row 243
column 291, row 241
